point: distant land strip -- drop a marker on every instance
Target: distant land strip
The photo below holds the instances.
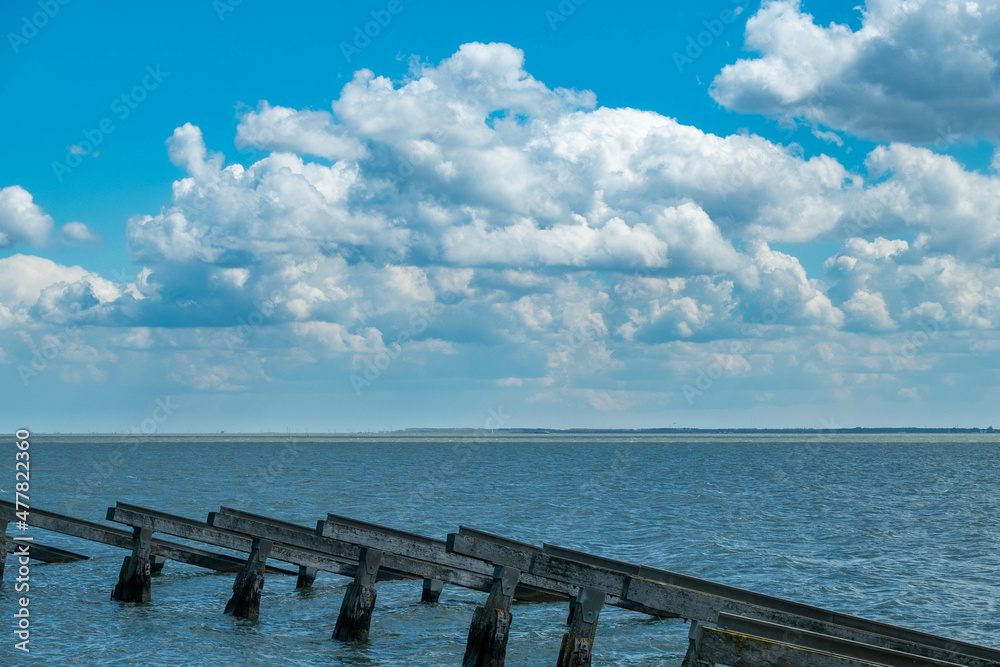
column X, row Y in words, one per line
column 510, row 434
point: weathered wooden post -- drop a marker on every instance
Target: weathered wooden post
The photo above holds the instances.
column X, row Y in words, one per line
column 432, row 590
column 156, row 564
column 487, row 644
column 307, row 575
column 572, row 608
column 249, row 583
column 3, row 547
column 578, row 644
column 355, row 619
column 692, row 657
column 134, row 579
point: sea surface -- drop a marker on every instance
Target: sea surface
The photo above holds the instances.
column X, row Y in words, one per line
column 898, row 528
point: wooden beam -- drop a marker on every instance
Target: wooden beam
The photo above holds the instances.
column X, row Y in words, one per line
column 825, row 643
column 116, row 537
column 504, row 553
column 393, row 541
column 708, row 608
column 202, row 532
column 721, row 647
column 299, row 542
column 419, row 547
column 45, row 554
column 401, row 566
column 509, row 552
column 206, row 559
column 401, row 535
column 436, row 552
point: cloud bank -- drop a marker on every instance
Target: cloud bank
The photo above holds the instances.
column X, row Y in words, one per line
column 471, row 227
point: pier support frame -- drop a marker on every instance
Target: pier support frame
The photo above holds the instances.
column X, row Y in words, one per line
column 134, row 579
column 578, row 644
column 487, row 644
column 355, row 618
column 3, row 547
column 156, row 564
column 693, row 656
column 249, row 583
column 307, row 575
column 432, row 590
column 572, row 607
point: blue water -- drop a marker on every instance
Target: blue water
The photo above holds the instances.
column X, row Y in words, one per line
column 902, row 529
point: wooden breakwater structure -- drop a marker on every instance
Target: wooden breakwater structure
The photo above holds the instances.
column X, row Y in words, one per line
column 729, row 625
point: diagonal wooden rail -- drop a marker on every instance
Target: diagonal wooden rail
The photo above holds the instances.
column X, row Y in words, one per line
column 814, row 641
column 429, row 550
column 116, row 537
column 293, row 535
column 668, row 593
column 297, row 537
column 178, row 526
column 43, row 553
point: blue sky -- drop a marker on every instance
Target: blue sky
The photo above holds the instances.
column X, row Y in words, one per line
column 530, row 214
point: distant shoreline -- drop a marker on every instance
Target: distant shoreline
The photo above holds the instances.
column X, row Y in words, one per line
column 451, row 434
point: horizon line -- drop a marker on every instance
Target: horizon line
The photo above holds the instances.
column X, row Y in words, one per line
column 540, row 430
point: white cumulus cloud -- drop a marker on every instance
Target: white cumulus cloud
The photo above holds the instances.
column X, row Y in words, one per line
column 22, row 221
column 914, row 71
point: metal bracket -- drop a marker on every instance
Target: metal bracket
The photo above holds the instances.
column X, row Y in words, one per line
column 142, row 539
column 508, row 578
column 693, row 656
column 591, row 600
column 262, row 547
column 372, row 559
